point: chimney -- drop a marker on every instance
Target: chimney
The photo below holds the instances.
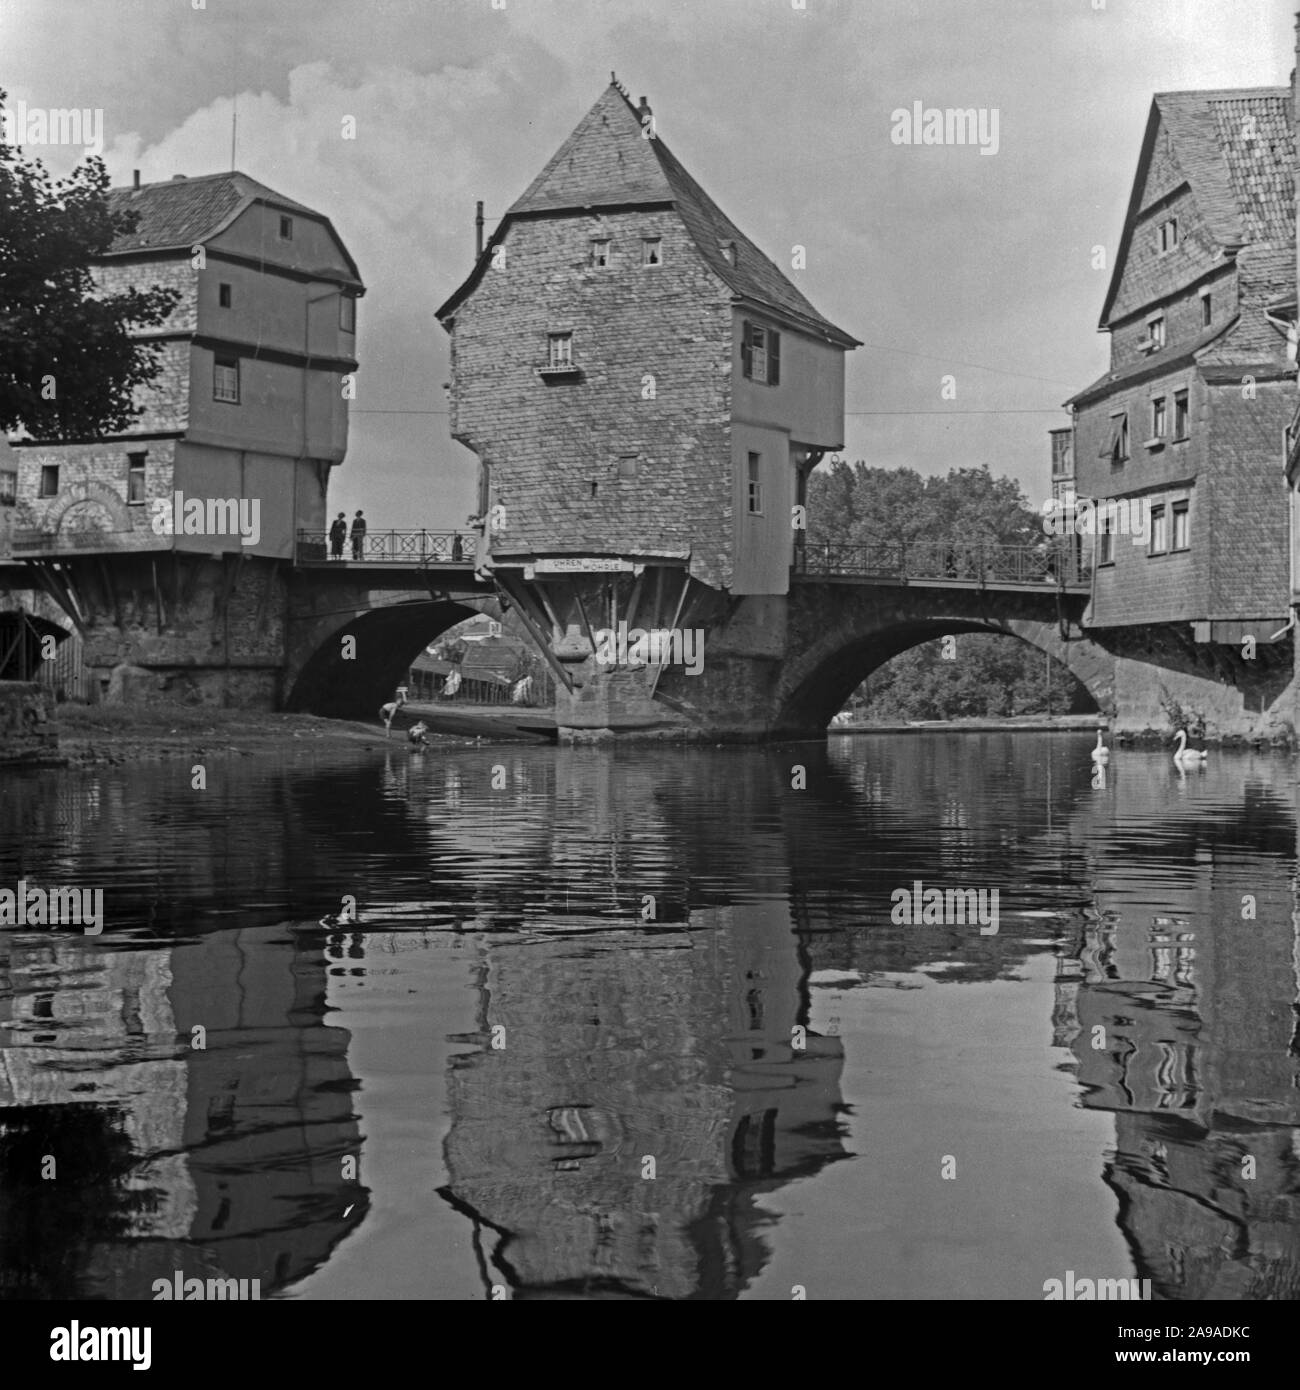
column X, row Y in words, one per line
column 136, row 172
column 478, row 229
column 644, row 110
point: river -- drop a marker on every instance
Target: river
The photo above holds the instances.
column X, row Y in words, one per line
column 647, row 1023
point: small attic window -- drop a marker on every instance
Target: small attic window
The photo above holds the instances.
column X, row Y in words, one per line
column 728, row 249
column 286, row 229
column 1167, row 235
column 599, row 253
column 652, row 250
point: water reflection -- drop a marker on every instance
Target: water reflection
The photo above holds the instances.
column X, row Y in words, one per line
column 647, row 938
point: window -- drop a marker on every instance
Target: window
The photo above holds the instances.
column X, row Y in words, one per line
column 135, row 477
column 754, row 499
column 1159, row 531
column 223, row 295
column 347, row 313
column 599, row 252
column 1182, row 538
column 8, row 487
column 1207, row 309
column 560, row 352
column 1167, row 235
column 760, row 353
column 1105, row 537
column 49, row 480
column 1116, row 449
column 652, row 250
column 1180, row 414
column 286, row 229
column 225, row 380
column 1155, row 333
column 1158, row 418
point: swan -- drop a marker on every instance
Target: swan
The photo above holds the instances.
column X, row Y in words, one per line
column 1100, row 754
column 1188, row 757
column 346, row 914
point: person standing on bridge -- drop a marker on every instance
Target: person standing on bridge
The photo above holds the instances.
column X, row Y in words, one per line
column 358, row 535
column 338, row 534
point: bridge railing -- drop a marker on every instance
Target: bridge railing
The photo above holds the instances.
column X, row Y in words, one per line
column 961, row 562
column 391, row 548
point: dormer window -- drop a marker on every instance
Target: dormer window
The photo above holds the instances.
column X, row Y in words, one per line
column 599, row 253
column 760, row 353
column 286, row 229
column 652, row 250
column 728, row 249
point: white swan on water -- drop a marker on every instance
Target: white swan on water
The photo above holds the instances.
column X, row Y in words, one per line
column 1100, row 754
column 1188, row 757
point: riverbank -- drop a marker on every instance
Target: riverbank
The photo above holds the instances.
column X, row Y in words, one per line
column 91, row 735
column 1021, row 724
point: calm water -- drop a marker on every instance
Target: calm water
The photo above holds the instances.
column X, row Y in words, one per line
column 561, row 1045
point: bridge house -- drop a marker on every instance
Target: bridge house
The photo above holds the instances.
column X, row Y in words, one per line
column 646, row 391
column 1200, row 385
column 248, row 404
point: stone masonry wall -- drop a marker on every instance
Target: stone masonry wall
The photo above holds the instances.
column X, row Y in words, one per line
column 610, row 461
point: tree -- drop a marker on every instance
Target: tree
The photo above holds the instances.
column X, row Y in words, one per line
column 991, row 676
column 69, row 367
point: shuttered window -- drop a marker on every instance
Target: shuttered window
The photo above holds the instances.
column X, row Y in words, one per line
column 760, row 353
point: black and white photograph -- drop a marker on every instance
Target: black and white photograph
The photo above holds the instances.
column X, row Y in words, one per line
column 648, row 652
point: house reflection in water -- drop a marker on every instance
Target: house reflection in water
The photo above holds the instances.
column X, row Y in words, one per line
column 1185, row 1025
column 218, row 1163
column 624, row 1047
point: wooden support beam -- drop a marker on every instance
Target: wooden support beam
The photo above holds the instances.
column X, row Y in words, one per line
column 677, row 616
column 110, row 589
column 535, row 632
column 55, row 585
column 634, row 601
column 159, row 615
column 264, row 603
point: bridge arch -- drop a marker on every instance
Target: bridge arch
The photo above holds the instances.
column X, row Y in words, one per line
column 386, row 640
column 838, row 636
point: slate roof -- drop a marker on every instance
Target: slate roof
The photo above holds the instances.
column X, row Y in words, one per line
column 606, row 163
column 1237, row 149
column 181, row 213
column 1157, row 364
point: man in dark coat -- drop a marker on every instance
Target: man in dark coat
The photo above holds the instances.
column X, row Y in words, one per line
column 338, row 534
column 358, row 535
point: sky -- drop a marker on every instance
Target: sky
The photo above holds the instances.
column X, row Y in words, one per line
column 945, row 261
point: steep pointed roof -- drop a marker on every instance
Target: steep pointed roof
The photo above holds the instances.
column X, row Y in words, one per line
column 1236, row 149
column 181, row 213
column 607, row 163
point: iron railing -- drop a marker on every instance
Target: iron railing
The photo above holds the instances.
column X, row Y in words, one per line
column 391, row 548
column 958, row 562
